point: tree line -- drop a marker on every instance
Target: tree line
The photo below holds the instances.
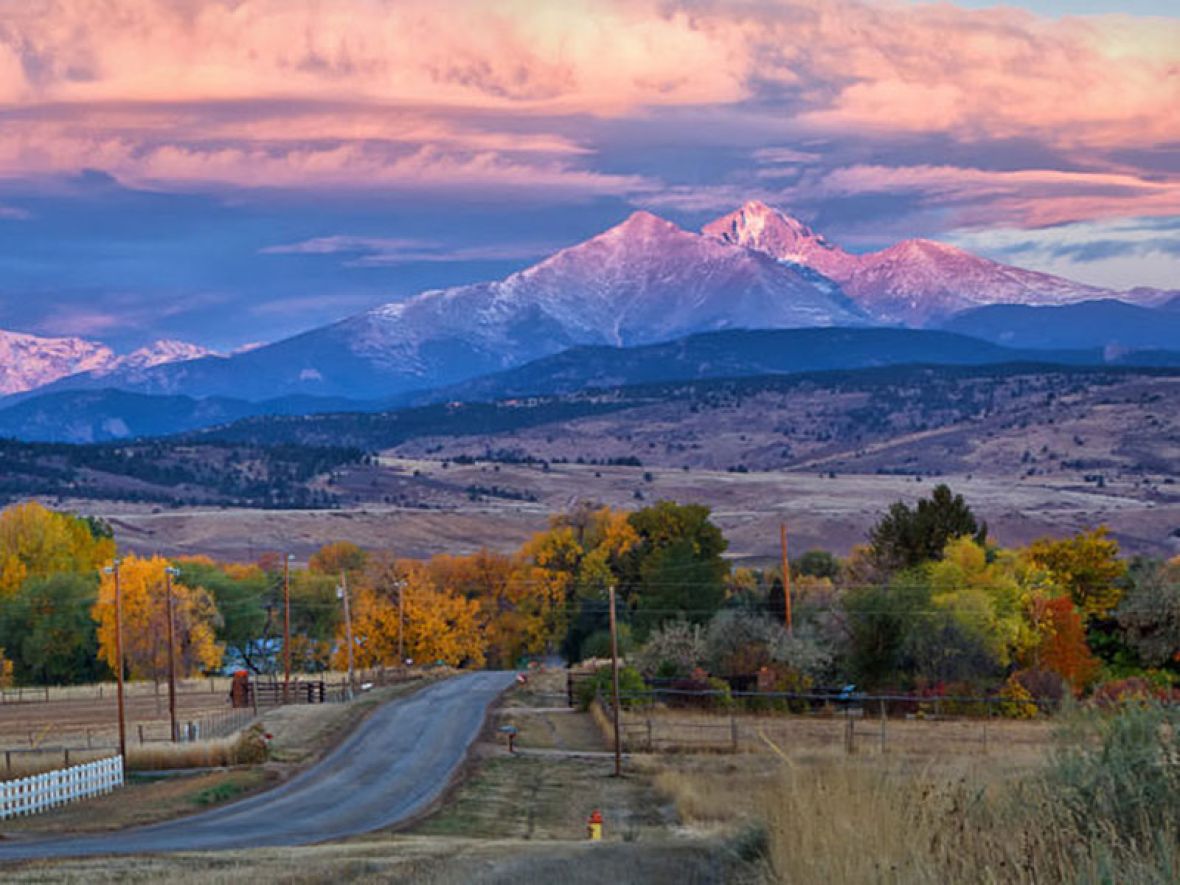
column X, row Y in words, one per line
column 930, row 604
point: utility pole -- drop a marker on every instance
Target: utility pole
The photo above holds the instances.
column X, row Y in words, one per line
column 287, row 625
column 169, row 571
column 614, row 665
column 782, row 526
column 113, row 569
column 401, row 622
column 342, row 592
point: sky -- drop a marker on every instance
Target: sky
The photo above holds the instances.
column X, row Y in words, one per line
column 235, row 171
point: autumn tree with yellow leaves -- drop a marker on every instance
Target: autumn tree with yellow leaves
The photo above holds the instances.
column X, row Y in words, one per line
column 36, row 542
column 1087, row 566
column 145, row 621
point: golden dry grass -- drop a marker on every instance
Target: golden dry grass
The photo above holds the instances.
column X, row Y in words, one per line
column 418, row 860
column 948, row 817
column 22, row 764
column 197, row 754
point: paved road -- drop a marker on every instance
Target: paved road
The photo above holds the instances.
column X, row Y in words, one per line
column 392, row 767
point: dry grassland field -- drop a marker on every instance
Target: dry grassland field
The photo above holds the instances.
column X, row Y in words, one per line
column 699, row 817
column 823, row 510
column 1033, row 454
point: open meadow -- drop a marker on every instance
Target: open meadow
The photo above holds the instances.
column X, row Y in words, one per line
column 834, row 512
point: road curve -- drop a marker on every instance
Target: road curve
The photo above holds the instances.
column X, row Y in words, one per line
column 396, row 763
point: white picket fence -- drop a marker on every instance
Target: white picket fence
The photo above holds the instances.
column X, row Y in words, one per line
column 39, row 792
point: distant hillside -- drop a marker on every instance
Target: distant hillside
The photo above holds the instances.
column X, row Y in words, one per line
column 740, row 354
column 88, row 416
column 173, row 473
column 1091, row 324
column 83, row 416
column 937, row 389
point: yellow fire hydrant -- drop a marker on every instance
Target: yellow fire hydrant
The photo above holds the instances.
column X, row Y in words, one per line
column 594, row 826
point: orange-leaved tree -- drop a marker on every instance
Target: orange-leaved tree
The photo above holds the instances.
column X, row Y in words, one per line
column 374, row 630
column 441, row 624
column 145, row 621
column 1062, row 647
column 337, row 557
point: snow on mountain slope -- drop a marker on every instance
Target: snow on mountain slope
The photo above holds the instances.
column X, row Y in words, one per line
column 642, row 281
column 914, row 282
column 757, row 226
column 918, row 282
column 166, row 350
column 30, row 361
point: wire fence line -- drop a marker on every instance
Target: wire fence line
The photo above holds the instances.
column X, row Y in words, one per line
column 47, row 694
column 80, row 719
column 656, row 728
column 849, row 703
column 664, row 719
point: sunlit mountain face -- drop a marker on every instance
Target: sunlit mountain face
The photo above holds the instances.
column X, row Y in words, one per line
column 233, row 173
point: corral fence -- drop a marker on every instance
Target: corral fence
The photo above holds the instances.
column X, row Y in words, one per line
column 98, row 691
column 40, row 792
column 273, row 694
column 65, row 727
column 677, row 720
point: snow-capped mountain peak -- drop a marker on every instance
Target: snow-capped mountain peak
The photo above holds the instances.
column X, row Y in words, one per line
column 915, row 282
column 28, row 361
column 165, row 350
column 31, row 361
column 765, row 229
column 641, row 281
column 927, row 250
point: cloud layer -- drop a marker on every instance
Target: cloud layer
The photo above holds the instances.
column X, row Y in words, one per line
column 470, row 93
column 321, row 136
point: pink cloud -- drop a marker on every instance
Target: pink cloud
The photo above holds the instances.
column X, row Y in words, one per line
column 385, row 251
column 1029, row 198
column 294, row 93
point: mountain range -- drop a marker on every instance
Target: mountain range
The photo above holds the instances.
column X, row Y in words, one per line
column 644, row 281
column 915, row 282
column 31, row 361
column 87, row 416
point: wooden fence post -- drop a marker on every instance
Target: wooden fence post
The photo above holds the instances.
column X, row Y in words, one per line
column 733, row 731
column 882, row 702
column 849, row 734
column 986, row 720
